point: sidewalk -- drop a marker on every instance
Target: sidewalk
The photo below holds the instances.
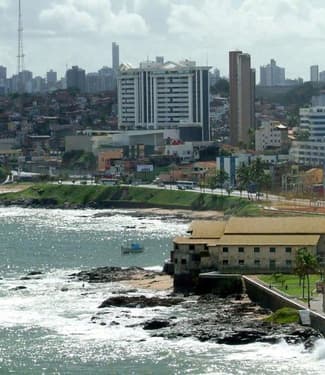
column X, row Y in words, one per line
column 316, row 302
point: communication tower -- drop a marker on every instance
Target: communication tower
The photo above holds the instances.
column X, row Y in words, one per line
column 20, row 55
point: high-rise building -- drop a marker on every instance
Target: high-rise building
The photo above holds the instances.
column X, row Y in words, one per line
column 242, row 97
column 76, row 78
column 159, row 59
column 115, row 57
column 314, row 73
column 309, row 150
column 272, row 75
column 3, row 78
column 93, row 82
column 169, row 95
column 214, row 76
column 3, row 72
column 38, row 84
column 51, row 79
column 106, row 79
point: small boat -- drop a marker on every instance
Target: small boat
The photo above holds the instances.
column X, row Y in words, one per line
column 134, row 248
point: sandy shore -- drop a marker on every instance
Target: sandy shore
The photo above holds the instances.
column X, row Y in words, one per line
column 13, row 188
column 158, row 282
column 186, row 214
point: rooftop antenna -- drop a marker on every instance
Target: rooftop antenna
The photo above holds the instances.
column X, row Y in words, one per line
column 20, row 55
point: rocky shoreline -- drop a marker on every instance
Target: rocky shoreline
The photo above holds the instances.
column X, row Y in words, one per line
column 234, row 320
column 130, row 210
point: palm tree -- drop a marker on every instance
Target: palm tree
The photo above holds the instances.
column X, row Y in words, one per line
column 243, row 177
column 306, row 263
column 221, row 178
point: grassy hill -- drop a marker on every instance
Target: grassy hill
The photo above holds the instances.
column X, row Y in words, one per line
column 73, row 196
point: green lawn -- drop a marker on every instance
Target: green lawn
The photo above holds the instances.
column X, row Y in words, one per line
column 289, row 284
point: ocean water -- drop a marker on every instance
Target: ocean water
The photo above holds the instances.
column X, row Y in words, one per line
column 54, row 326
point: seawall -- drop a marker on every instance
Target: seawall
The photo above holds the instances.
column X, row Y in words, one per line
column 273, row 300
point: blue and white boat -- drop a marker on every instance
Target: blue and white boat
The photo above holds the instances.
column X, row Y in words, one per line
column 134, row 248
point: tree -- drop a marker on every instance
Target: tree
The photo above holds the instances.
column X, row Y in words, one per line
column 221, row 87
column 221, row 178
column 306, row 264
column 212, row 182
column 253, row 177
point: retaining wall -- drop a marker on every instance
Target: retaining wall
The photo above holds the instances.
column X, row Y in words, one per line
column 273, row 300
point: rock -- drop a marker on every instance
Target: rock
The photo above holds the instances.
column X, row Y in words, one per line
column 21, row 287
column 233, row 321
column 113, row 274
column 64, row 289
column 139, row 301
column 124, row 291
column 156, row 324
column 34, row 273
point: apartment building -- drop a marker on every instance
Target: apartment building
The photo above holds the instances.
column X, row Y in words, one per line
column 161, row 95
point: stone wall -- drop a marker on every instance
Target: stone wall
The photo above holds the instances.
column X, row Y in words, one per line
column 273, row 300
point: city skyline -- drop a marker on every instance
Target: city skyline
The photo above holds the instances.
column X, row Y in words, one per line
column 81, row 34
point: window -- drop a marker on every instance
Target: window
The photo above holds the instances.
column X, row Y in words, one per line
column 272, row 249
column 225, row 262
column 240, row 249
column 256, row 249
column 288, row 263
column 176, row 247
column 225, row 249
column 257, row 262
column 288, row 250
column 241, row 261
column 272, row 264
column 175, row 260
column 183, row 261
column 192, row 247
column 196, row 257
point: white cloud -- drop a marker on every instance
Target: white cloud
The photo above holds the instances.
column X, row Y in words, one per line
column 96, row 16
column 4, row 3
column 251, row 21
column 291, row 31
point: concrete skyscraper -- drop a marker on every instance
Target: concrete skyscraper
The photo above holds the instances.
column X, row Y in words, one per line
column 314, row 73
column 76, row 79
column 242, row 97
column 272, row 75
column 115, row 57
column 3, row 72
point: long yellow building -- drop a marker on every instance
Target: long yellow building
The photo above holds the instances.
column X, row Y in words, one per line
column 247, row 245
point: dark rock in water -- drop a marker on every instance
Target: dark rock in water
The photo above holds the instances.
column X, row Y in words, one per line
column 156, row 324
column 124, row 291
column 21, row 287
column 113, row 274
column 114, row 323
column 64, row 289
column 139, row 301
column 34, row 273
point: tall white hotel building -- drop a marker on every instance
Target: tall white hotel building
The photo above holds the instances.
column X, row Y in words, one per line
column 161, row 95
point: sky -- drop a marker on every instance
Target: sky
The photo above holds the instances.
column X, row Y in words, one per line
column 62, row 33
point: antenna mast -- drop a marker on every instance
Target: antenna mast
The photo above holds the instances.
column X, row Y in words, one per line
column 20, row 55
